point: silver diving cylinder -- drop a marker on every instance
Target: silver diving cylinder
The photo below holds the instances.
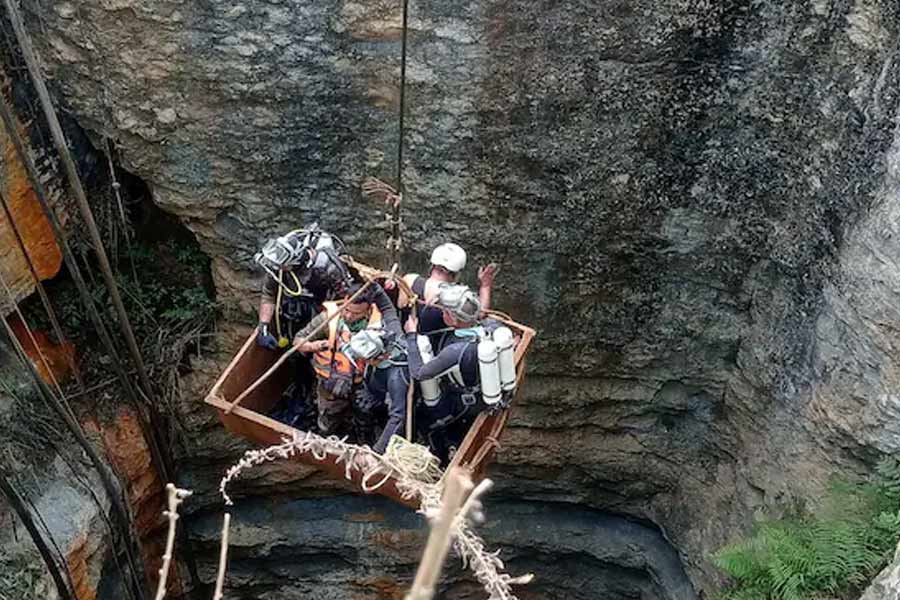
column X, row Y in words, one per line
column 431, row 388
column 503, row 338
column 489, row 372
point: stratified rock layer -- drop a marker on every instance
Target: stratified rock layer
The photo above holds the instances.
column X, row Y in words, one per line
column 695, row 203
column 369, row 548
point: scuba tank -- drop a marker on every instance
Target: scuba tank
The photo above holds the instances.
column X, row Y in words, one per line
column 431, row 389
column 503, row 338
column 489, row 372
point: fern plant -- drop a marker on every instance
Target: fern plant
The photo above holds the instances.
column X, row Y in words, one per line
column 832, row 555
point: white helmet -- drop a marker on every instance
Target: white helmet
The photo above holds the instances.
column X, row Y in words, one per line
column 460, row 301
column 450, row 256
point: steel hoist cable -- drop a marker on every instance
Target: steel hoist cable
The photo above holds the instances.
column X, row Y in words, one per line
column 395, row 243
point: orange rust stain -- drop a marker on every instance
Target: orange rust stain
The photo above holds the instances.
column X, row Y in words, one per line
column 129, row 455
column 59, row 356
column 77, row 561
column 369, row 517
column 29, row 219
column 382, row 587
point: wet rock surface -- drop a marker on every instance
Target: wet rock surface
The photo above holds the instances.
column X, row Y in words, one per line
column 694, row 202
column 368, row 548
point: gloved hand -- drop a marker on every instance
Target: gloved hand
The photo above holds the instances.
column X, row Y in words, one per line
column 264, row 338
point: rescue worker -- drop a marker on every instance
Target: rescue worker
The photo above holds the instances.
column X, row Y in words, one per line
column 455, row 366
column 339, row 374
column 447, row 261
column 305, row 270
column 387, row 381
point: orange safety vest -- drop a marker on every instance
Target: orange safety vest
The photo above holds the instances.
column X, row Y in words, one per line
column 326, row 362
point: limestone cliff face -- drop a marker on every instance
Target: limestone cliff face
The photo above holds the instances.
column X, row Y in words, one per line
column 887, row 584
column 695, row 203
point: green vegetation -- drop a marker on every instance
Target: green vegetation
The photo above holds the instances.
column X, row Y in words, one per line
column 161, row 284
column 833, row 554
column 166, row 289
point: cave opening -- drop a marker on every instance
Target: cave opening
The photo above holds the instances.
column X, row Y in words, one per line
column 163, row 275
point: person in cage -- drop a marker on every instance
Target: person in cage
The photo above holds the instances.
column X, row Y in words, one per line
column 451, row 381
column 447, row 262
column 340, row 389
column 303, row 270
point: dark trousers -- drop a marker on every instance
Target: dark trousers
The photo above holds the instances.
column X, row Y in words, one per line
column 391, row 386
column 446, row 424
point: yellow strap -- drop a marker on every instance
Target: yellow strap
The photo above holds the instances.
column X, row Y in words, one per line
column 282, row 289
column 278, row 308
column 288, row 291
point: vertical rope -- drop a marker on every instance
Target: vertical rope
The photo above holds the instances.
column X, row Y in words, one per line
column 60, row 407
column 75, row 271
column 116, row 186
column 151, row 428
column 84, row 207
column 395, row 209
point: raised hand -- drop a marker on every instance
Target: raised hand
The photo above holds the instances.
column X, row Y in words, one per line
column 412, row 324
column 487, row 273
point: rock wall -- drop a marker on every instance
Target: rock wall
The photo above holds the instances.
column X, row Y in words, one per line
column 695, row 203
column 887, row 584
column 369, row 548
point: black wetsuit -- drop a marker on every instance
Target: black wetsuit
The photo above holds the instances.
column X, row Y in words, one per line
column 388, row 383
column 446, row 424
column 327, row 279
column 430, row 318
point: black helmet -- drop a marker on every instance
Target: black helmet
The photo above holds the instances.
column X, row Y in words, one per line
column 284, row 251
